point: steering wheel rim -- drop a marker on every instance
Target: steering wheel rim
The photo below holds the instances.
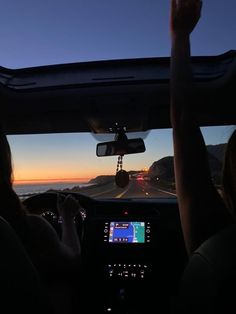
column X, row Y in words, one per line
column 39, row 203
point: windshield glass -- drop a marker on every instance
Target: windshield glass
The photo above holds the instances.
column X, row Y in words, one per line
column 68, row 162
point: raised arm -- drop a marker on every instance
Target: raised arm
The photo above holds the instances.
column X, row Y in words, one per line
column 202, row 211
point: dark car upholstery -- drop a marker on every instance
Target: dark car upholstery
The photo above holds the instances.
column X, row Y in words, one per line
column 208, row 284
column 21, row 288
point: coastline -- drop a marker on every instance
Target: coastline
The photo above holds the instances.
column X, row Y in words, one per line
column 34, row 188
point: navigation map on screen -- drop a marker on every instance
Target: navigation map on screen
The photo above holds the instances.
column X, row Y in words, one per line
column 127, row 232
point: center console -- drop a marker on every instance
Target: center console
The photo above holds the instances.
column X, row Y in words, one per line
column 125, row 241
column 128, row 253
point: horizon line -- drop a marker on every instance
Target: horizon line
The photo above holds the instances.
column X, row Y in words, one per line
column 51, row 180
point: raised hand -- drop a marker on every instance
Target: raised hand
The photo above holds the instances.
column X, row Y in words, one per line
column 184, row 16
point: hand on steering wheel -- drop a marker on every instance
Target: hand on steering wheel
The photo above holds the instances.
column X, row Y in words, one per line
column 68, row 207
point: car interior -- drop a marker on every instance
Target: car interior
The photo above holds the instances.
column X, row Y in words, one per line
column 133, row 251
column 19, row 277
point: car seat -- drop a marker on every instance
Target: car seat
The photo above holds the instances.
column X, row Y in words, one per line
column 21, row 289
column 208, row 282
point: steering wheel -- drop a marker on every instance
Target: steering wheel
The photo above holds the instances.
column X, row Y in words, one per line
column 45, row 205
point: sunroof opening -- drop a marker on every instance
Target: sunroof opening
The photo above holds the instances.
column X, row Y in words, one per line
column 36, row 33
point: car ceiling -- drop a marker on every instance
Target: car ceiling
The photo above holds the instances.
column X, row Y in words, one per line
column 96, row 96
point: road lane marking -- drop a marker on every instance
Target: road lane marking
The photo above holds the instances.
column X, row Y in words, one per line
column 104, row 192
column 165, row 192
column 121, row 194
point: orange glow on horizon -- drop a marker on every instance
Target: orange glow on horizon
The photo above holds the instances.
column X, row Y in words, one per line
column 39, row 181
column 32, row 176
column 49, row 172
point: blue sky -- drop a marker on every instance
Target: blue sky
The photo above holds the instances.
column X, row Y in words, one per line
column 35, row 33
column 61, row 31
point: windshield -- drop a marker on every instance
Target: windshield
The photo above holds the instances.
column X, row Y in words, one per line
column 68, row 162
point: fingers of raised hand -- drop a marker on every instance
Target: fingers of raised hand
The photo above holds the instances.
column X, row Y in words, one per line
column 189, row 5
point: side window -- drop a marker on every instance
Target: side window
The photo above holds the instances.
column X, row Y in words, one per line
column 216, row 139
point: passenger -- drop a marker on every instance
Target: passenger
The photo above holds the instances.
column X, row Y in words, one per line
column 51, row 256
column 203, row 211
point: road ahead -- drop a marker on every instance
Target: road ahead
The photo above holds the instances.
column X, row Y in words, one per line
column 136, row 188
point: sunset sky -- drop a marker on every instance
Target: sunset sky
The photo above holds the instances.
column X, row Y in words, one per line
column 37, row 33
column 73, row 156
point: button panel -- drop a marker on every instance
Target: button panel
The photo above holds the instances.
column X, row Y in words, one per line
column 127, row 271
column 106, row 231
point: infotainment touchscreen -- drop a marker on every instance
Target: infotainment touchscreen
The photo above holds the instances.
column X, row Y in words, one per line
column 127, row 232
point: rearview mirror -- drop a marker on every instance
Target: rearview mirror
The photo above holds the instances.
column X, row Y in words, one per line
column 129, row 146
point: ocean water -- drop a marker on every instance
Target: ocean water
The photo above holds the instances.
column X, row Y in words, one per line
column 24, row 189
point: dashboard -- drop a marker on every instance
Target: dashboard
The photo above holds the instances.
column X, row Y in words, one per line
column 128, row 247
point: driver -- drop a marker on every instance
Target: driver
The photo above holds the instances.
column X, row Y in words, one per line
column 50, row 255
